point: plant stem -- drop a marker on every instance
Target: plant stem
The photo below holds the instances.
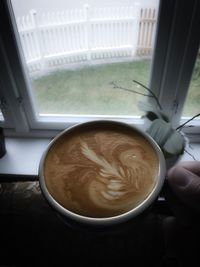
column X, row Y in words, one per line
column 190, row 154
column 129, row 90
column 136, row 92
column 151, row 92
column 182, row 125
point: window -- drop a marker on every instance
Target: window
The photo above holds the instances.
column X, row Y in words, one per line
column 73, row 56
column 32, row 100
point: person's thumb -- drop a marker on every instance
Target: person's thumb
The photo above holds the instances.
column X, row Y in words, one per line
column 186, row 186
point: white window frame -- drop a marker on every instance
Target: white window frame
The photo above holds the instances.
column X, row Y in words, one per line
column 176, row 47
column 171, row 77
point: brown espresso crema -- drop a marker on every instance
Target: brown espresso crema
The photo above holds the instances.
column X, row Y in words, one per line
column 100, row 170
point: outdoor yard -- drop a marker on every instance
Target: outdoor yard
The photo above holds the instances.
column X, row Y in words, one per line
column 192, row 105
column 89, row 90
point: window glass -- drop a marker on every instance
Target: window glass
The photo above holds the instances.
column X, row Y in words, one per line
column 191, row 107
column 76, row 54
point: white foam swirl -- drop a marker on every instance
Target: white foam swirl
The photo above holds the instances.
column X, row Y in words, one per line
column 107, row 169
column 121, row 180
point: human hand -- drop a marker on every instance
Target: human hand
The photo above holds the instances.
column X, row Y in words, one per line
column 183, row 192
column 181, row 230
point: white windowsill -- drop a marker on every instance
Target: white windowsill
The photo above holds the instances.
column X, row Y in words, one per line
column 23, row 155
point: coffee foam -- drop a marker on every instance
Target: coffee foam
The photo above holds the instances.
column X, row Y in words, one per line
column 102, row 171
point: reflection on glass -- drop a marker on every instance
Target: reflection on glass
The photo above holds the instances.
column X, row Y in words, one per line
column 1, row 116
column 74, row 52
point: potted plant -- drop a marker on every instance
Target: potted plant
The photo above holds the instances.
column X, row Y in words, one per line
column 172, row 141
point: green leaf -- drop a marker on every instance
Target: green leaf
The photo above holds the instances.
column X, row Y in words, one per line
column 152, row 112
column 160, row 131
column 146, row 106
column 164, row 117
column 175, row 143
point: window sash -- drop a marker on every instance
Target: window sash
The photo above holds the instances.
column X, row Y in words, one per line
column 175, row 51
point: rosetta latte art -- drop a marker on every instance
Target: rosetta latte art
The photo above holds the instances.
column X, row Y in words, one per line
column 101, row 173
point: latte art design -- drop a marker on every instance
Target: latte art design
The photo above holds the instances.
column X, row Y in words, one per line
column 101, row 173
column 118, row 180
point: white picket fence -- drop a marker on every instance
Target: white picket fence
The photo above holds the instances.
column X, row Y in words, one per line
column 146, row 31
column 58, row 38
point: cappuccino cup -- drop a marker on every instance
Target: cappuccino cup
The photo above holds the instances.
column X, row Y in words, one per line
column 101, row 173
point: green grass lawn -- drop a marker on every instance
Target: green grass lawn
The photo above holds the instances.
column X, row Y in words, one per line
column 192, row 104
column 89, row 91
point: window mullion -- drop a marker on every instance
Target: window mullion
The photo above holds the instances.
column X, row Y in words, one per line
column 171, row 78
column 165, row 18
column 7, row 121
column 189, row 58
column 13, row 110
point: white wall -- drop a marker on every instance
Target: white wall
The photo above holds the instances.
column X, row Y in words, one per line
column 22, row 7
